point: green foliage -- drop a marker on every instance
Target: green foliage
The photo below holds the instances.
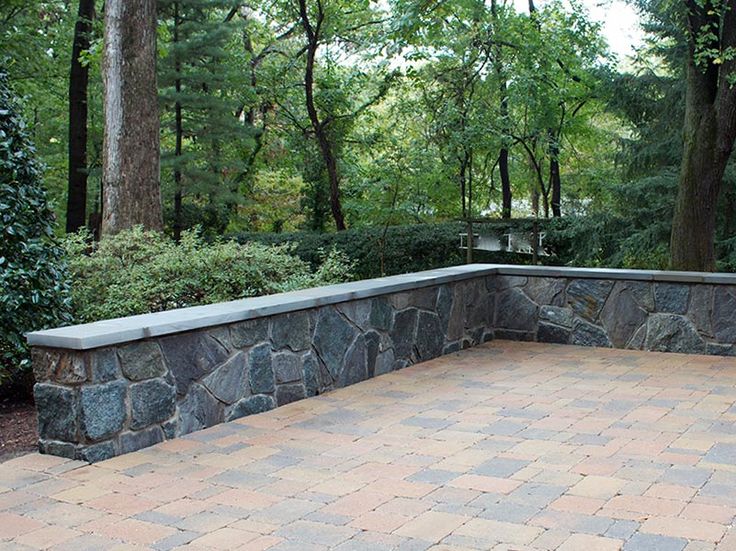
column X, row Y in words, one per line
column 401, row 249
column 136, row 272
column 33, row 287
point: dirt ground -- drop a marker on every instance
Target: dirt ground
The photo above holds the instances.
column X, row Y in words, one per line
column 17, row 427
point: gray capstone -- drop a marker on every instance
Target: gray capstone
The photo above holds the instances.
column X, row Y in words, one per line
column 587, row 334
column 250, row 406
column 58, row 412
column 430, row 338
column 671, row 297
column 142, row 360
column 285, row 394
column 672, row 333
column 291, row 330
column 247, row 333
column 104, row 366
column 229, row 382
column 332, row 337
column 403, row 332
column 514, row 310
column 137, row 440
column 191, row 356
column 103, row 409
column 151, row 402
column 724, row 314
column 260, row 369
column 587, row 296
column 199, row 410
column 287, row 367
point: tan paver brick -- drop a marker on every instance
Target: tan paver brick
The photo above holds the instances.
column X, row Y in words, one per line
column 431, row 526
column 684, row 528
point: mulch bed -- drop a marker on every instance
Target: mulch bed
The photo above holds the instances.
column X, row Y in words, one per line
column 17, row 427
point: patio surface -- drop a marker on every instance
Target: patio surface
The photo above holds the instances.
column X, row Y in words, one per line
column 505, row 446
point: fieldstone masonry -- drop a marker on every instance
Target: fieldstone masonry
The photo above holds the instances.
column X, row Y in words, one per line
column 97, row 402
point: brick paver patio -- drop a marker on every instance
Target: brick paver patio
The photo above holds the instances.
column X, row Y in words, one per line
column 505, row 446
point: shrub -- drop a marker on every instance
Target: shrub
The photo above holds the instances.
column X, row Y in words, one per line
column 137, row 271
column 404, row 248
column 33, row 289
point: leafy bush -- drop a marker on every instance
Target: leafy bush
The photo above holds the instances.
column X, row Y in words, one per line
column 403, row 249
column 137, row 271
column 33, row 289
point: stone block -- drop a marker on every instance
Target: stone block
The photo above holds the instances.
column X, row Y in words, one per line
column 724, row 314
column 672, row 333
column 142, row 360
column 250, row 406
column 381, row 314
column 514, row 310
column 103, row 409
column 621, row 316
column 137, row 440
column 152, row 401
column 260, row 369
column 247, row 333
column 104, row 365
column 430, row 337
column 229, row 382
column 287, row 367
column 587, row 296
column 546, row 290
column 190, row 356
column 199, row 410
column 332, row 337
column 556, row 315
column 355, row 368
column 587, row 334
column 285, row 394
column 291, row 331
column 671, row 297
column 550, row 333
column 58, row 412
column 97, row 452
column 403, row 332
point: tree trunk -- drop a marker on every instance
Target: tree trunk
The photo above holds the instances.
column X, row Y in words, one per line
column 555, row 182
column 701, row 172
column 503, row 155
column 179, row 133
column 76, row 201
column 130, row 163
column 323, row 140
column 503, row 167
column 709, row 132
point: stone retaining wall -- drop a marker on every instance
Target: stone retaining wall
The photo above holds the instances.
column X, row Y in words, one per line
column 660, row 316
column 120, row 385
column 98, row 403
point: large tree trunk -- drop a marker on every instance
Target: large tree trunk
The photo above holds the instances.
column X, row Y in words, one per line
column 130, row 164
column 709, row 133
column 503, row 167
column 503, row 155
column 701, row 172
column 320, row 132
column 76, row 201
column 179, row 133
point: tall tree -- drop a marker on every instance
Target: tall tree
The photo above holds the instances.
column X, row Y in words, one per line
column 130, row 166
column 76, row 203
column 709, row 130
